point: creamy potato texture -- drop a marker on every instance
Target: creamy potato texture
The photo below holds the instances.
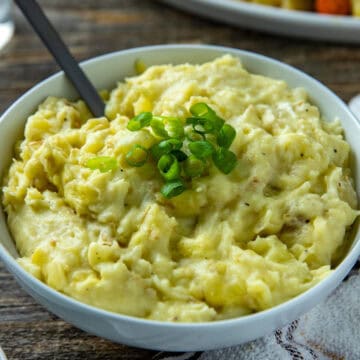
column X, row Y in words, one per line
column 228, row 246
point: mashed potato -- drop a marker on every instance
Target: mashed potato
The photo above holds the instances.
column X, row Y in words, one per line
column 229, row 246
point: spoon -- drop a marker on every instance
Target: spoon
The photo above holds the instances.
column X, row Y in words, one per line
column 41, row 24
column 63, row 57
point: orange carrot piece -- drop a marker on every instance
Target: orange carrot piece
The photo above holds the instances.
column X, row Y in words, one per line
column 335, row 7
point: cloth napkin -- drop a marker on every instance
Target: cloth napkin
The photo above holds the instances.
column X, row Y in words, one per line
column 330, row 331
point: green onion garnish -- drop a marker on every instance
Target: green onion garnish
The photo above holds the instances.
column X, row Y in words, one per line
column 202, row 110
column 193, row 135
column 137, row 156
column 201, row 149
column 185, row 147
column 225, row 160
column 139, row 66
column 139, row 121
column 102, row 163
column 193, row 166
column 180, row 155
column 169, row 167
column 226, row 136
column 175, row 127
column 158, row 127
column 201, row 125
column 165, row 147
column 173, row 188
column 167, row 127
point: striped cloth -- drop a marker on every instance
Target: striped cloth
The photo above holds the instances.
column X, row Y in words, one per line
column 330, row 331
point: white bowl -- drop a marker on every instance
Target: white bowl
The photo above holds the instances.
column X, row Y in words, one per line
column 2, row 355
column 104, row 71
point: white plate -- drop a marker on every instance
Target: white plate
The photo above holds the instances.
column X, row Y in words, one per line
column 275, row 20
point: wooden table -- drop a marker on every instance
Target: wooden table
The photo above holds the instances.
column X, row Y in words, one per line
column 27, row 330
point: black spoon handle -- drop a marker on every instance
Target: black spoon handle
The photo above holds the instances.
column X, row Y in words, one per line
column 61, row 53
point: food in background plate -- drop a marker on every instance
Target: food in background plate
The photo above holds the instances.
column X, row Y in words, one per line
column 90, row 219
column 287, row 4
column 355, row 7
column 334, row 7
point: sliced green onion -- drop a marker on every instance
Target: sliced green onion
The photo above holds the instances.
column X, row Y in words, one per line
column 192, row 120
column 206, row 123
column 193, row 166
column 202, row 110
column 201, row 149
column 158, row 127
column 175, row 127
column 225, row 160
column 137, row 156
column 169, row 167
column 165, row 147
column 226, row 136
column 167, row 127
column 173, row 188
column 201, row 129
column 139, row 121
column 193, row 135
column 206, row 136
column 218, row 122
column 139, row 66
column 201, row 125
column 102, row 163
column 180, row 155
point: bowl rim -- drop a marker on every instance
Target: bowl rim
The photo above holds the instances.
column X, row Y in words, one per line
column 340, row 271
column 2, row 354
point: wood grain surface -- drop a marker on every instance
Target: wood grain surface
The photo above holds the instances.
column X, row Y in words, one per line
column 92, row 27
